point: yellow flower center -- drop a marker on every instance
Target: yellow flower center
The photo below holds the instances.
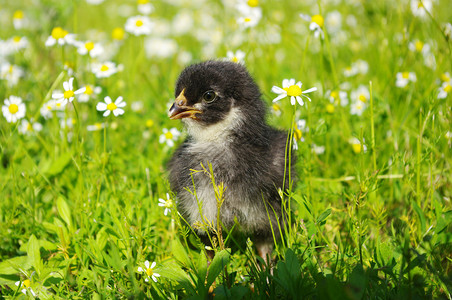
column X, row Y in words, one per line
column 276, row 107
column 49, row 107
column 149, row 272
column 18, row 14
column 89, row 90
column 27, row 283
column 139, row 23
column 58, row 33
column 418, row 45
column 356, row 148
column 330, row 108
column 168, row 135
column 444, row 77
column 297, row 134
column 253, row 3
column 293, row 90
column 29, row 127
column 118, row 33
column 362, row 98
column 247, row 19
column 141, row 2
column 16, row 39
column 235, row 59
column 58, row 105
column 111, row 106
column 406, row 75
column 10, row 70
column 149, row 123
column 89, row 46
column 317, row 19
column 448, row 88
column 68, row 94
column 419, row 4
column 104, row 68
column 13, row 108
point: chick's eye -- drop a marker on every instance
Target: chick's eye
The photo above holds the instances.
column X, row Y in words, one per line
column 209, row 96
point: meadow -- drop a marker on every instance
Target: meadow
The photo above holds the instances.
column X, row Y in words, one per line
column 86, row 210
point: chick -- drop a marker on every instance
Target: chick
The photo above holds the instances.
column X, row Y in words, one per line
column 221, row 108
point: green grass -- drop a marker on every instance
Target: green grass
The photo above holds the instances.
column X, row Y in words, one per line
column 79, row 209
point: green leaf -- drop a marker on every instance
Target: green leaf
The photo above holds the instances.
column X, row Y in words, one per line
column 202, row 266
column 172, row 271
column 288, row 273
column 13, row 265
column 420, row 214
column 58, row 165
column 179, row 252
column 357, row 283
column 64, row 211
column 217, row 265
column 323, row 216
column 34, row 255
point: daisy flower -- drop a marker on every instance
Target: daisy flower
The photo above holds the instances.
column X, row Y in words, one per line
column 337, row 97
column 250, row 19
column 315, row 25
column 88, row 47
column 145, row 7
column 403, row 78
column 69, row 93
column 139, row 25
column 356, row 145
column 19, row 20
column 168, row 136
column 360, row 94
column 95, row 127
column 11, row 73
column 61, row 37
column 237, row 57
column 167, row 204
column 149, row 270
column 25, row 285
column 109, row 106
column 13, row 109
column 50, row 106
column 419, row 8
column 29, row 127
column 445, row 89
column 16, row 44
column 292, row 90
column 246, row 6
column 89, row 92
column 105, row 69
column 276, row 109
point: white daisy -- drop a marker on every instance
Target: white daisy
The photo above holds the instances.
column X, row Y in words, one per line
column 149, row 270
column 237, row 57
column 315, row 25
column 109, row 106
column 105, row 69
column 26, row 286
column 50, row 106
column 95, row 127
column 356, row 145
column 69, row 93
column 60, row 36
column 419, row 8
column 403, row 78
column 145, row 7
column 250, row 19
column 169, row 136
column 13, row 109
column 139, row 25
column 167, row 204
column 91, row 48
column 445, row 89
column 292, row 90
column 29, row 127
column 89, row 92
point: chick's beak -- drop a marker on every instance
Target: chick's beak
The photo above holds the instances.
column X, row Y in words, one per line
column 180, row 109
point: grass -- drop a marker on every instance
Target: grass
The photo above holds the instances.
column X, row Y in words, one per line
column 79, row 211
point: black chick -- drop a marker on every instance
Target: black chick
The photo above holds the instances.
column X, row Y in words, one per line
column 220, row 106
